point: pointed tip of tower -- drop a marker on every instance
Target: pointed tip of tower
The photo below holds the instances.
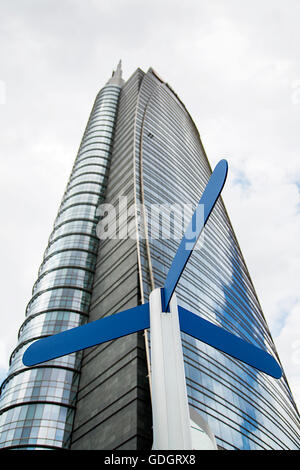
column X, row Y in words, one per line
column 119, row 67
column 116, row 78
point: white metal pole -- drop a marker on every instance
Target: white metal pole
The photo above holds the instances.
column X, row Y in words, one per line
column 170, row 411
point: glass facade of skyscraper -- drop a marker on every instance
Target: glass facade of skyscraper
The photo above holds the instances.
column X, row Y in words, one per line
column 244, row 408
column 140, row 142
column 37, row 404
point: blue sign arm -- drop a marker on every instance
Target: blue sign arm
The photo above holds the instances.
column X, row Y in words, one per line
column 228, row 343
column 97, row 332
column 187, row 244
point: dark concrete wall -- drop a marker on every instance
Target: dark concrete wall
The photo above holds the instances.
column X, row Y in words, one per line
column 113, row 403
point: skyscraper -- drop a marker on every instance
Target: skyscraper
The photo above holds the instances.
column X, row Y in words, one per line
column 140, row 145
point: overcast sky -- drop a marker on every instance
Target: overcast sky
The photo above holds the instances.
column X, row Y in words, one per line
column 235, row 65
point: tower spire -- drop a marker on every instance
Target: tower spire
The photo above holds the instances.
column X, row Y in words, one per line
column 116, row 78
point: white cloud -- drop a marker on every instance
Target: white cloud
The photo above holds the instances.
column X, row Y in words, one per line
column 3, row 355
column 288, row 343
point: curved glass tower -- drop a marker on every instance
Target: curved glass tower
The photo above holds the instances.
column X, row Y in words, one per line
column 244, row 408
column 141, row 144
column 37, row 404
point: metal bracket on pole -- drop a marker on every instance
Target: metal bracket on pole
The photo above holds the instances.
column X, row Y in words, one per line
column 170, row 411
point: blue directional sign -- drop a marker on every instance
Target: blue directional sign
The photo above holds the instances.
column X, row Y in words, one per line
column 138, row 318
column 194, row 229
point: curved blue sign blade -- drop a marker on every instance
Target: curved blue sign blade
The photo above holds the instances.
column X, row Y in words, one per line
column 97, row 332
column 228, row 343
column 187, row 244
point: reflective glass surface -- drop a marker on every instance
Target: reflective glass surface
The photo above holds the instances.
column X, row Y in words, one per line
column 245, row 408
column 36, row 426
column 37, row 404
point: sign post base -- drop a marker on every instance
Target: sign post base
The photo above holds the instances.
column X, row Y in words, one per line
column 171, row 419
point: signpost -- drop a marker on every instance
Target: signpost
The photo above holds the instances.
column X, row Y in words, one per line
column 171, row 422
